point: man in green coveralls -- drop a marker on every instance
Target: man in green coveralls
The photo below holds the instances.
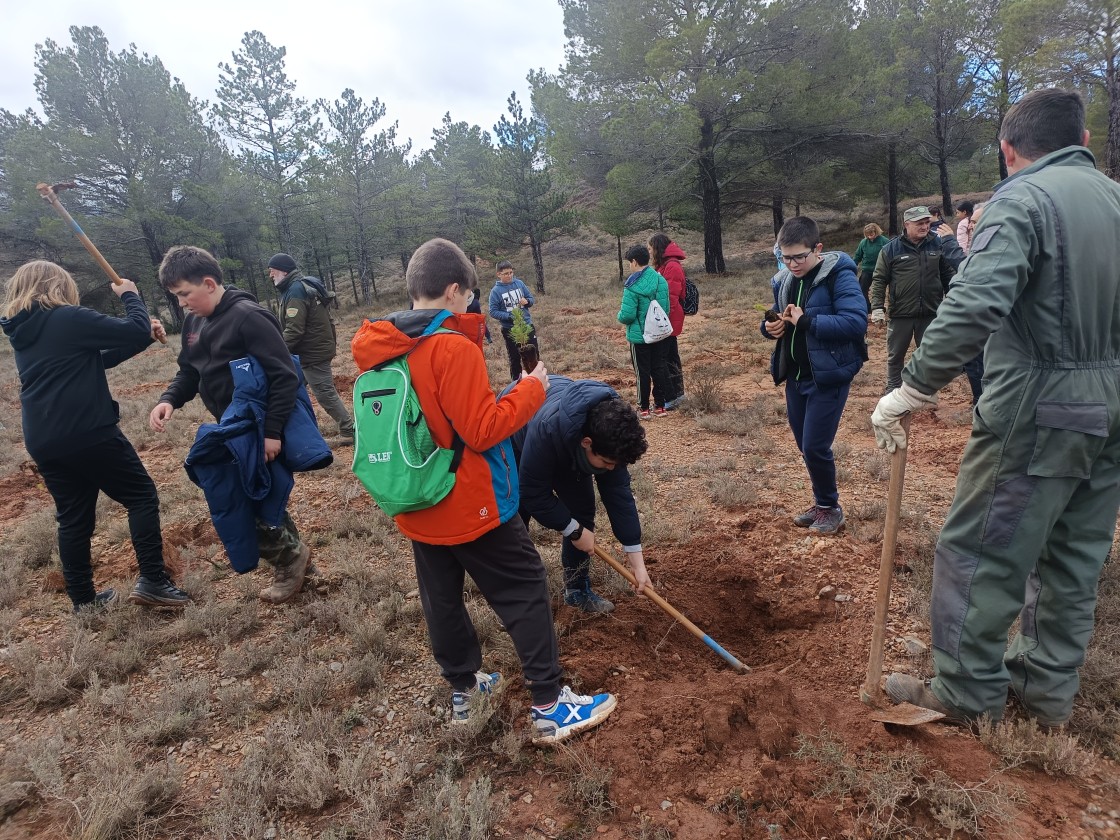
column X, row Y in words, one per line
column 1035, row 508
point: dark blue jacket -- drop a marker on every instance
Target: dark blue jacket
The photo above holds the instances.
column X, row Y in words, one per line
column 227, row 462
column 547, row 449
column 837, row 322
column 61, row 355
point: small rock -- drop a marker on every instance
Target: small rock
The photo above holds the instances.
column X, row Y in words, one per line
column 227, row 682
column 666, row 804
column 843, row 597
column 602, row 829
column 218, row 746
column 826, row 592
column 527, row 799
column 1093, row 809
column 412, row 593
column 269, row 833
column 915, row 647
column 336, row 667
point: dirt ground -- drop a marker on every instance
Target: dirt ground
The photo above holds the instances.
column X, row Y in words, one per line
column 695, row 750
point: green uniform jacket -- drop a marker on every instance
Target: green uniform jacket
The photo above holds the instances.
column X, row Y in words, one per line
column 641, row 287
column 1052, row 311
column 918, row 275
column 308, row 328
column 867, row 252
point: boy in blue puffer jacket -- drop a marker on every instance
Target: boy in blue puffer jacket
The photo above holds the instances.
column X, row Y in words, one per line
column 509, row 294
column 819, row 351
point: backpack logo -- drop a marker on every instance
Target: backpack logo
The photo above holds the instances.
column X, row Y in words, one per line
column 380, row 457
column 376, row 408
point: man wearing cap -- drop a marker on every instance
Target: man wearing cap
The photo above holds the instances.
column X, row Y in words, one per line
column 918, row 267
column 1034, row 513
column 309, row 333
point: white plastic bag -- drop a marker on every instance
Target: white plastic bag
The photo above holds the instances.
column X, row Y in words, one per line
column 657, row 326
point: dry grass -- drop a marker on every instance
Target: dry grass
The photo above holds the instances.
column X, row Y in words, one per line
column 1020, row 743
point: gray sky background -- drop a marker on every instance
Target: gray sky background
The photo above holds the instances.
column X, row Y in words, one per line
column 421, row 58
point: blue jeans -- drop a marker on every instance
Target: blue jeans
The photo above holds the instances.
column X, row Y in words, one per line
column 814, row 415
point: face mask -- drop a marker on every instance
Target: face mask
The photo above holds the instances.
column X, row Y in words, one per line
column 585, row 465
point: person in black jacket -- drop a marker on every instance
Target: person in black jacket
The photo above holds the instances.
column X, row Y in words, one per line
column 71, row 423
column 584, row 430
column 222, row 325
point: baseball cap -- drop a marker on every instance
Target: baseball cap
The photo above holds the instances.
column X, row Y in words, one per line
column 916, row 214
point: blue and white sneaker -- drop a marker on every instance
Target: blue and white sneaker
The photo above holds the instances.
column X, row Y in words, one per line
column 461, row 700
column 571, row 713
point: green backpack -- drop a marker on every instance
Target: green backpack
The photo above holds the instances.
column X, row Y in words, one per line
column 395, row 457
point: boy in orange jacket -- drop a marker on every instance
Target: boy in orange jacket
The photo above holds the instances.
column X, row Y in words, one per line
column 475, row 529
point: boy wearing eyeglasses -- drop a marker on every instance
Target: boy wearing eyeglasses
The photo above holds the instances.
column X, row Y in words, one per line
column 818, row 351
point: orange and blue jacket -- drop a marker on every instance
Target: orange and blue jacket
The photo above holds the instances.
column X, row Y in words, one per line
column 451, row 381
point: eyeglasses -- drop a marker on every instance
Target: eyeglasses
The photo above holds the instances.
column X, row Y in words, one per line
column 797, row 258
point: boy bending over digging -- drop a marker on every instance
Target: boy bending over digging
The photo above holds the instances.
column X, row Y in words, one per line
column 475, row 529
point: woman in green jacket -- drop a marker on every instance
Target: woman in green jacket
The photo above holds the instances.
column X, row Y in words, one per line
column 867, row 252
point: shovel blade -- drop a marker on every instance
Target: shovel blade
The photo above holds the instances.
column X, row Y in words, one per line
column 906, row 714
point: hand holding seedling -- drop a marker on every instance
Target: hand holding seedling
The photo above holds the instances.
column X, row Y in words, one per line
column 793, row 313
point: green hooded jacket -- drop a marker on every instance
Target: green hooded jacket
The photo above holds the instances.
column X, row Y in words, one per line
column 641, row 287
column 308, row 328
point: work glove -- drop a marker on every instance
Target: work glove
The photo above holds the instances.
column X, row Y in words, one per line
column 878, row 316
column 885, row 420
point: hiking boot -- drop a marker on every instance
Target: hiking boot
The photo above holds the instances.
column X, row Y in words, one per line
column 287, row 579
column 158, row 592
column 340, row 440
column 571, row 713
column 828, row 520
column 461, row 700
column 644, row 414
column 587, row 601
column 804, row 520
column 659, row 411
column 903, row 688
column 100, row 602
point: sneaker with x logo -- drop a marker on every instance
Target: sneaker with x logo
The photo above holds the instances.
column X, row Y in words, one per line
column 571, row 713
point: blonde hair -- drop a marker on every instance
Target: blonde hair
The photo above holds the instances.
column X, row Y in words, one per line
column 872, row 231
column 41, row 282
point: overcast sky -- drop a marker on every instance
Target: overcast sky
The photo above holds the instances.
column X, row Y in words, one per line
column 421, row 58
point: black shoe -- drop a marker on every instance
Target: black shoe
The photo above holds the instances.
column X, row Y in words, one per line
column 100, row 601
column 158, row 592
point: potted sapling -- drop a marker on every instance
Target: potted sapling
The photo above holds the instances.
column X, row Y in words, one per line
column 520, row 332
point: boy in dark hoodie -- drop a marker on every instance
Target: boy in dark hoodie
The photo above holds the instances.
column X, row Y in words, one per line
column 643, row 286
column 222, row 325
column 584, row 436
column 475, row 529
column 70, row 423
column 818, row 352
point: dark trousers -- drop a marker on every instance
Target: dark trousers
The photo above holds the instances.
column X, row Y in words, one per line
column 649, row 365
column 974, row 370
column 577, row 492
column 674, row 368
column 515, row 353
column 112, row 468
column 900, row 332
column 865, row 278
column 508, row 572
column 814, row 415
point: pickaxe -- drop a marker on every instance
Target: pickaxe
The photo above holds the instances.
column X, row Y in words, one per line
column 49, row 192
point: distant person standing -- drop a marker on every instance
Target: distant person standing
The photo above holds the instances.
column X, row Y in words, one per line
column 509, row 294
column 917, row 268
column 310, row 334
column 867, row 253
column 667, row 257
column 642, row 287
column 1034, row 514
column 965, row 224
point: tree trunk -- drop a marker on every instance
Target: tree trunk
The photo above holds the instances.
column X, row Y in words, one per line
column 538, row 259
column 777, row 210
column 621, row 275
column 660, row 218
column 709, row 192
column 892, row 189
column 1112, row 139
